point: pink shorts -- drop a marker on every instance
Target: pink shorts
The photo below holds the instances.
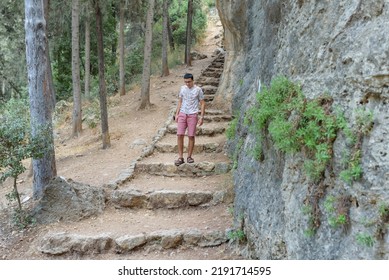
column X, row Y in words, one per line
column 186, row 121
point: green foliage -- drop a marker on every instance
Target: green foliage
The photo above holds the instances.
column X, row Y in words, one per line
column 236, row 235
column 295, row 123
column 354, row 169
column 17, row 143
column 178, row 12
column 20, row 218
column 352, row 161
column 231, row 130
column 365, row 239
column 236, row 153
column 311, row 229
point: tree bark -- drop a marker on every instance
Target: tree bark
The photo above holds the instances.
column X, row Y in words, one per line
column 39, row 93
column 188, row 60
column 170, row 32
column 165, row 65
column 145, row 92
column 46, row 6
column 102, row 88
column 122, row 86
column 87, row 58
column 77, row 114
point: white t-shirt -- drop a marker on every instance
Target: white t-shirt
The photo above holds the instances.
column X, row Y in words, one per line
column 190, row 99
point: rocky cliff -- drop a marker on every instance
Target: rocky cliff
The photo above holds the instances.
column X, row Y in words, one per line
column 334, row 48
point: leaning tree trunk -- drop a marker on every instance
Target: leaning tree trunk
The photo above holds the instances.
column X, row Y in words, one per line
column 77, row 115
column 122, row 87
column 39, row 93
column 102, row 87
column 145, row 92
column 188, row 60
column 165, row 66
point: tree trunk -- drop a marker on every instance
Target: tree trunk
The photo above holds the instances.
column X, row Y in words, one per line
column 188, row 60
column 145, row 92
column 102, row 87
column 87, row 58
column 39, row 92
column 165, row 66
column 170, row 32
column 122, row 86
column 77, row 116
column 46, row 6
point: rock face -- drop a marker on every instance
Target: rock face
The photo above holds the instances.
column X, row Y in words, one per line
column 335, row 47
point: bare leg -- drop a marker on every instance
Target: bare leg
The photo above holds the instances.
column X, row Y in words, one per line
column 191, row 145
column 180, row 144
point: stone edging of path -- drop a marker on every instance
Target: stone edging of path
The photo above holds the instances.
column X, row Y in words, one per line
column 63, row 243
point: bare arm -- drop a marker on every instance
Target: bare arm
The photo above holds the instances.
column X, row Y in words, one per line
column 202, row 112
column 178, row 108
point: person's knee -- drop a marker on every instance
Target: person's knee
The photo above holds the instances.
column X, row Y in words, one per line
column 191, row 138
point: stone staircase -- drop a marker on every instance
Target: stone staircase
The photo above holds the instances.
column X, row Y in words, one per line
column 158, row 207
column 210, row 77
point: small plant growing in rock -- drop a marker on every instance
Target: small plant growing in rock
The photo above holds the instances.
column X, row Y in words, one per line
column 295, row 123
column 231, row 130
column 364, row 125
column 236, row 235
column 365, row 239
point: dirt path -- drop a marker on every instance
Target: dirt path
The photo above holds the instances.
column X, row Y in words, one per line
column 131, row 131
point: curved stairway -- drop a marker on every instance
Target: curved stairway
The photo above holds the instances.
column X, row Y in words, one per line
column 160, row 207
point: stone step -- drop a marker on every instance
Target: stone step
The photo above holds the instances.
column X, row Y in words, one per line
column 124, row 230
column 214, row 74
column 209, row 129
column 199, row 148
column 209, row 97
column 202, row 81
column 206, row 144
column 146, row 183
column 66, row 243
column 213, row 112
column 205, row 165
column 169, row 199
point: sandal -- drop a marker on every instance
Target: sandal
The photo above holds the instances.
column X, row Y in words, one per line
column 179, row 161
column 190, row 160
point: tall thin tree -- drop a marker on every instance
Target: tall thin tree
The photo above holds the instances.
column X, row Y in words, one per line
column 165, row 38
column 40, row 96
column 188, row 60
column 77, row 114
column 122, row 87
column 145, row 92
column 102, row 86
column 46, row 6
column 87, row 53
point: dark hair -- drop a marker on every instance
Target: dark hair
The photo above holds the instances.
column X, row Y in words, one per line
column 188, row 76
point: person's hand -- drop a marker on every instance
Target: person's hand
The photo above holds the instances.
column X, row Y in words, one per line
column 200, row 121
column 176, row 118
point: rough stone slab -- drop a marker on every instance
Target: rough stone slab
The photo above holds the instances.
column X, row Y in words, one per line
column 127, row 243
column 61, row 243
column 200, row 130
column 213, row 238
column 192, row 170
column 199, row 198
column 198, row 148
column 167, row 199
column 65, row 243
column 128, row 198
column 163, row 199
